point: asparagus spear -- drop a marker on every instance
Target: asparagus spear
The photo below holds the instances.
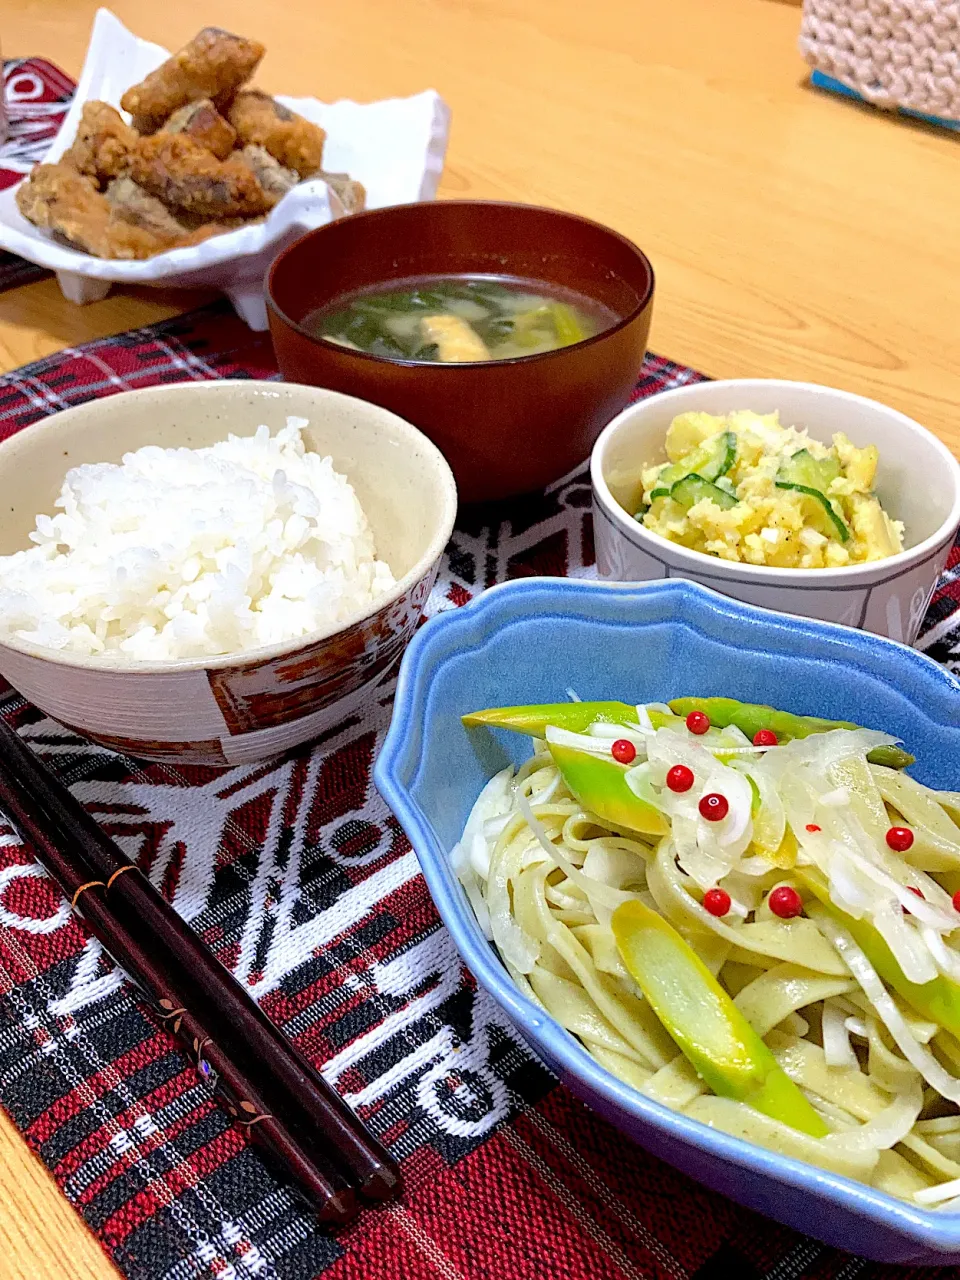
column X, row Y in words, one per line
column 751, row 717
column 600, row 784
column 707, row 1026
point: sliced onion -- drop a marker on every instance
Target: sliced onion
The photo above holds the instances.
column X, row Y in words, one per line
column 617, row 868
column 835, row 799
column 643, row 717
column 573, row 695
column 947, row 960
column 493, row 827
column 549, row 791
column 933, row 907
column 886, row 1010
column 846, row 889
column 934, row 1195
column 658, row 706
column 745, row 894
column 909, row 949
column 476, row 899
column 491, row 804
column 479, row 855
column 821, row 751
column 578, row 741
column 756, row 865
column 611, row 732
column 459, row 860
column 639, row 780
column 699, row 852
column 738, row 821
column 836, row 1037
column 596, row 890
column 884, row 1130
column 770, row 821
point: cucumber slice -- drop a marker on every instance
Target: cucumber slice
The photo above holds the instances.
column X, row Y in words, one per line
column 710, row 460
column 813, row 473
column 693, row 489
column 812, row 476
column 831, row 524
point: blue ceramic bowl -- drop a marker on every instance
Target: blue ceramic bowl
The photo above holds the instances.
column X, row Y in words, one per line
column 529, row 641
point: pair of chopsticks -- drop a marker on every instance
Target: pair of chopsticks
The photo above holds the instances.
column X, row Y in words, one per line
column 295, row 1119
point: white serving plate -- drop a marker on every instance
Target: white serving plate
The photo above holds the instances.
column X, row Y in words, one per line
column 395, row 148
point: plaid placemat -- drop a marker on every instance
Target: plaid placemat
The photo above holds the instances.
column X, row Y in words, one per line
column 37, row 96
column 304, row 884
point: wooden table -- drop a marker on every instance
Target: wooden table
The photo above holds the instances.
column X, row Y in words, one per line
column 793, row 234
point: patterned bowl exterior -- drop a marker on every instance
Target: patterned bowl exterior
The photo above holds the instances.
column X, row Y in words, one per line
column 226, row 715
column 918, row 481
column 235, row 710
column 530, row 641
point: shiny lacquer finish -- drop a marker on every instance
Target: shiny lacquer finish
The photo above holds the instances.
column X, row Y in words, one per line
column 506, row 427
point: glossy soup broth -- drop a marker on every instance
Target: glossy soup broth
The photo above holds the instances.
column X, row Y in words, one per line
column 460, row 319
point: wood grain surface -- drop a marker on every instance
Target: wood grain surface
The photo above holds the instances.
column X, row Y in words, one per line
column 793, row 234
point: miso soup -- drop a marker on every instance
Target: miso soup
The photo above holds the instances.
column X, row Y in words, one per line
column 459, row 319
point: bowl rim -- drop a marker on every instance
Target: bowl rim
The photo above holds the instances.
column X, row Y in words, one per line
column 656, row 545
column 327, row 345
column 924, row 1227
column 244, row 658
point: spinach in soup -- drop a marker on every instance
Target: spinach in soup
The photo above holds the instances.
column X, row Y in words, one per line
column 459, row 319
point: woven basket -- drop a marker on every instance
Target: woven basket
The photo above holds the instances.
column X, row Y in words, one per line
column 894, row 53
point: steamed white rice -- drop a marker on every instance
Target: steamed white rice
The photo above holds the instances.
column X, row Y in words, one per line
column 183, row 553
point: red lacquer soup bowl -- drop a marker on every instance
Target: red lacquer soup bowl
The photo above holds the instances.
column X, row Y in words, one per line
column 505, row 426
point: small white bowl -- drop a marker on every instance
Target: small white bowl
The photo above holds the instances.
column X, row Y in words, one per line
column 918, row 482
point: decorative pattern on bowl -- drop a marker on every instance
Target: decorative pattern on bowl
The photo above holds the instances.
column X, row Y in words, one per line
column 240, row 713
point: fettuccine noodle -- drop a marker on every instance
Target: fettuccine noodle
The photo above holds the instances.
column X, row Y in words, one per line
column 545, row 876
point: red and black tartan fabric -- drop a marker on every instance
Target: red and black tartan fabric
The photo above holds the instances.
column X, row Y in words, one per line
column 301, row 880
column 37, row 95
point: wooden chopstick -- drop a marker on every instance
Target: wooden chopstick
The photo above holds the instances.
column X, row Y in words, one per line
column 288, row 1083
column 326, row 1189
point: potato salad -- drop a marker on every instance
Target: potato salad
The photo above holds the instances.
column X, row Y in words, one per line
column 746, row 488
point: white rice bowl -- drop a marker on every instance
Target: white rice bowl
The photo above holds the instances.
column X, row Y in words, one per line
column 186, row 553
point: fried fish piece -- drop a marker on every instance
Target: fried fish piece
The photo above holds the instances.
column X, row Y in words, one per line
column 213, row 65
column 270, row 173
column 291, row 140
column 103, row 143
column 202, row 122
column 277, row 180
column 59, row 199
column 132, row 204
column 352, row 194
column 187, row 177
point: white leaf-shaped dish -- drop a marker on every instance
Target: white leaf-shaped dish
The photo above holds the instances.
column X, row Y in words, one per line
column 394, row 147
